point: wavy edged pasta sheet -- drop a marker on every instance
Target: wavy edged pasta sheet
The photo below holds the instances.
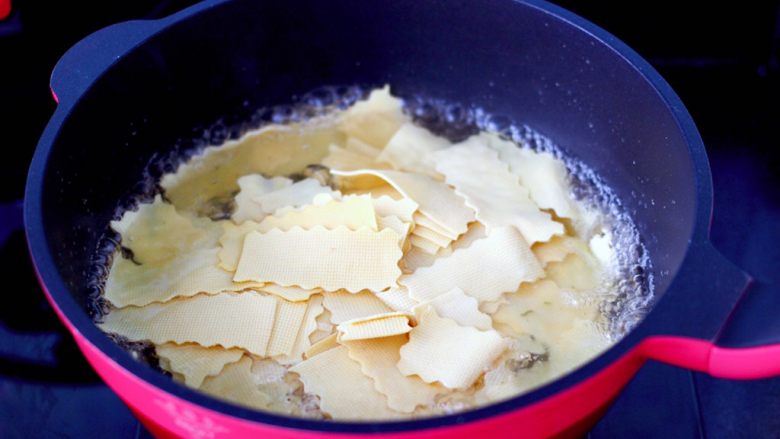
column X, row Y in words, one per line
column 194, row 362
column 292, row 294
column 342, row 158
column 440, row 350
column 344, row 306
column 441, row 241
column 495, row 194
column 399, row 227
column 463, row 309
column 487, row 268
column 156, row 232
column 271, row 150
column 287, row 325
column 354, row 213
column 475, row 232
column 184, row 276
column 358, row 146
column 576, row 272
column 543, row 175
column 436, row 200
column 409, row 148
column 403, row 209
column 236, row 383
column 556, row 249
column 309, row 324
column 421, row 220
column 232, row 241
column 376, row 326
column 492, row 306
column 321, row 346
column 423, row 244
column 173, row 255
column 325, row 327
column 374, row 120
column 416, row 258
column 397, row 299
column 230, row 320
column 344, row 391
column 319, row 258
column 251, row 186
column 378, row 359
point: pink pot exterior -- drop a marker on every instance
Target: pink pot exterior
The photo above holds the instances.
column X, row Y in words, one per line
column 566, row 414
column 569, row 413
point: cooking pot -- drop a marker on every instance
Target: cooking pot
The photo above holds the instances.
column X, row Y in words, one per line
column 133, row 92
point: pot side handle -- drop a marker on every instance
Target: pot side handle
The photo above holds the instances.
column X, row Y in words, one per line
column 741, row 343
column 748, row 345
column 83, row 63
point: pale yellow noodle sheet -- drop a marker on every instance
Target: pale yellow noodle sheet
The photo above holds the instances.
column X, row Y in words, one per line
column 436, row 200
column 495, row 194
column 157, row 233
column 344, row 391
column 409, row 150
column 404, row 208
column 293, row 294
column 438, row 348
column 184, row 276
column 342, row 158
column 397, row 299
column 542, row 174
column 378, row 359
column 320, row 257
column 344, row 306
column 425, row 245
column 423, row 232
column 229, row 320
column 194, row 362
column 487, row 268
column 354, row 213
column 287, row 325
column 374, row 120
column 302, row 342
column 271, row 150
column 376, row 326
column 321, row 346
column 236, row 384
column 463, row 309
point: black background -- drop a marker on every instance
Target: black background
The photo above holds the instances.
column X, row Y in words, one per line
column 722, row 58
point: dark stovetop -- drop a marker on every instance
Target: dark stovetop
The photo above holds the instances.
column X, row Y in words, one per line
column 722, row 60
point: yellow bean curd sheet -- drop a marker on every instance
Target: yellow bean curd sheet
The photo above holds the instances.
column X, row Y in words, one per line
column 415, row 278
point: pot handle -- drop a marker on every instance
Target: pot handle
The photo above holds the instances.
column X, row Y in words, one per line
column 78, row 68
column 746, row 346
column 83, row 63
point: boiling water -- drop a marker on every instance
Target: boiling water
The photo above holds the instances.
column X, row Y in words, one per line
column 623, row 300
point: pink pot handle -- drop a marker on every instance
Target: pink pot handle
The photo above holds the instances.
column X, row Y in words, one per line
column 747, row 346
